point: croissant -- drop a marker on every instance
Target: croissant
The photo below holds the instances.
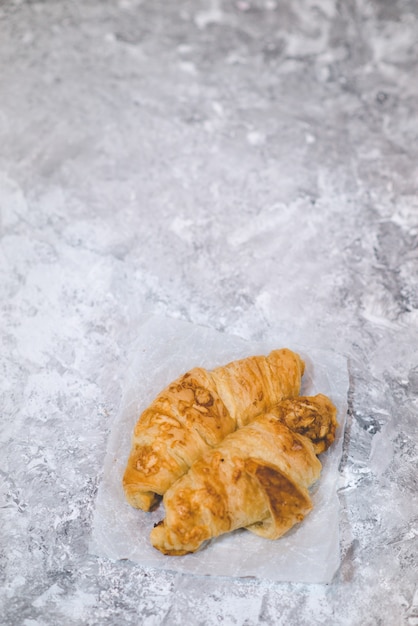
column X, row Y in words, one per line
column 257, row 478
column 196, row 412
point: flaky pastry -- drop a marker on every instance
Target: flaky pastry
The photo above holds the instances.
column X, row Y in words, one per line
column 196, row 412
column 257, row 478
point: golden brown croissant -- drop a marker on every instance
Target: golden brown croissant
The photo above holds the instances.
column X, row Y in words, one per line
column 196, row 412
column 257, row 478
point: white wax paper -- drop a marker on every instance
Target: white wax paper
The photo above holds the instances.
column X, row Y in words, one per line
column 166, row 348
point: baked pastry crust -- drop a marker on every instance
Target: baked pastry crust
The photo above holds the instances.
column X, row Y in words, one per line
column 196, row 412
column 312, row 416
column 257, row 478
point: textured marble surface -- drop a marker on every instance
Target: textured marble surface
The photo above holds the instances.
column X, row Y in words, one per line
column 249, row 166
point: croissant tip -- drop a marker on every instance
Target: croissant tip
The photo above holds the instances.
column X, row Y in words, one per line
column 144, row 500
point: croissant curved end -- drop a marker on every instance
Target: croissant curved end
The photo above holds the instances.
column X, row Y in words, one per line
column 159, row 540
column 145, row 500
column 164, row 539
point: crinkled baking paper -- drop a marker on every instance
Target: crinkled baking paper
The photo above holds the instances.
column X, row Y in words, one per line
column 166, row 348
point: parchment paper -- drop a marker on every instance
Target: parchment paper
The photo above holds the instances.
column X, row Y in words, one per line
column 166, row 348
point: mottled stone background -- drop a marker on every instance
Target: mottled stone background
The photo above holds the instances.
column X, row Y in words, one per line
column 248, row 166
